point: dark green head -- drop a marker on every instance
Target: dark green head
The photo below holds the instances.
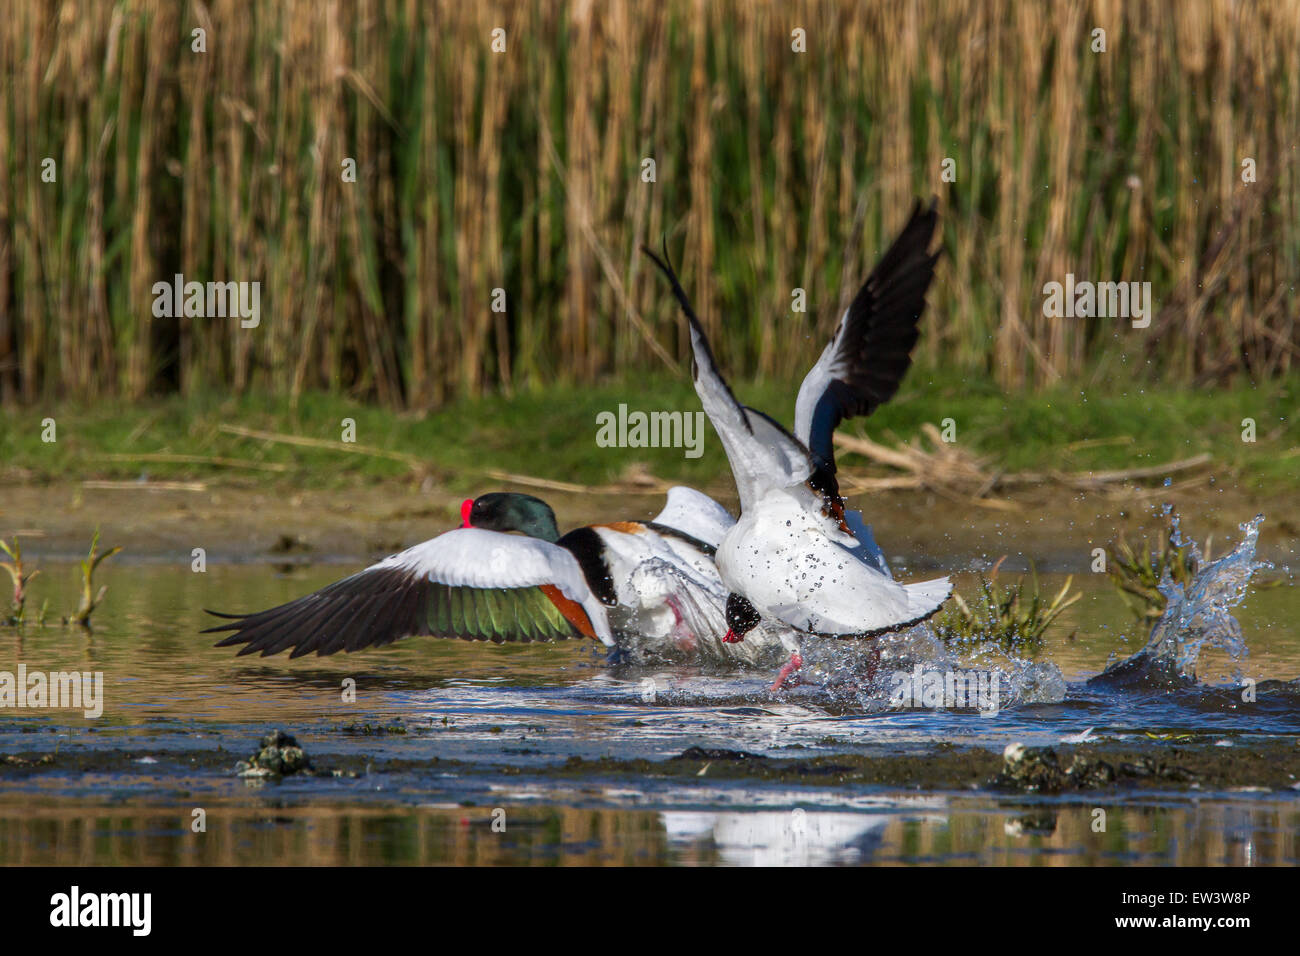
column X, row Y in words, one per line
column 508, row 511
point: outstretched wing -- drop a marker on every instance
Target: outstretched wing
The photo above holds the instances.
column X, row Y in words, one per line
column 762, row 454
column 862, row 367
column 470, row 583
column 696, row 514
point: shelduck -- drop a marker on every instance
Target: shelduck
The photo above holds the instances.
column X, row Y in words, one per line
column 793, row 557
column 649, row 585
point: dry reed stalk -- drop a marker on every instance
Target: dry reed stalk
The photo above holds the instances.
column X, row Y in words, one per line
column 775, row 169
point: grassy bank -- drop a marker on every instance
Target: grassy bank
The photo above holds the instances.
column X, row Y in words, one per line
column 551, row 434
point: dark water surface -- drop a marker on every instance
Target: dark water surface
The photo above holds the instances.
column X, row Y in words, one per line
column 479, row 754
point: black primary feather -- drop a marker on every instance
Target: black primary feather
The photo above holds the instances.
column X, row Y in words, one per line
column 665, row 266
column 378, row 606
column 880, row 332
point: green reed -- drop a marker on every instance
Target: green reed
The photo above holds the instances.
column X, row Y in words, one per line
column 522, row 171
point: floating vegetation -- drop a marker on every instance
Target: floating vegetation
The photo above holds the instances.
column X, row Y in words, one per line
column 90, row 599
column 1198, row 613
column 1148, row 575
column 376, row 730
column 1008, row 615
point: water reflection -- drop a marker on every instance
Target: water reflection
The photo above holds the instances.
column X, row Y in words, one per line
column 926, row 832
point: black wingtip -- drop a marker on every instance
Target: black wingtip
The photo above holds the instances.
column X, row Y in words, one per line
column 232, row 617
column 233, row 622
column 666, row 267
column 925, row 219
column 654, row 258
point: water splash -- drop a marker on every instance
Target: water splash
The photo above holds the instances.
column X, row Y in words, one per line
column 863, row 676
column 1196, row 618
column 852, row 678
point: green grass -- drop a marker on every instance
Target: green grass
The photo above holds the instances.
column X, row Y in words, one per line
column 551, row 433
column 1141, row 425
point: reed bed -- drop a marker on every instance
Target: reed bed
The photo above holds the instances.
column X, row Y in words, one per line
column 522, row 171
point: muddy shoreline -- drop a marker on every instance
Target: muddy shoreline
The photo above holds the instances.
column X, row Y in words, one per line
column 1263, row 766
column 242, row 523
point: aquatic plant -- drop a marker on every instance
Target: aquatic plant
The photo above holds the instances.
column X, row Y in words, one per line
column 89, row 598
column 1039, row 769
column 20, row 580
column 1008, row 615
column 1138, row 573
column 1197, row 616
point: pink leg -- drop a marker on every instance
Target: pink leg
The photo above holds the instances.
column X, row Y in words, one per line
column 791, row 666
column 681, row 633
column 873, row 660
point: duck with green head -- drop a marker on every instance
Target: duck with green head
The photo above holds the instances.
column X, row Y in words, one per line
column 510, row 511
column 507, row 574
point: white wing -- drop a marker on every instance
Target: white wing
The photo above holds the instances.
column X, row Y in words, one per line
column 468, row 583
column 695, row 513
column 762, row 454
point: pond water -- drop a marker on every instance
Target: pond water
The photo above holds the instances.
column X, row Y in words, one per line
column 538, row 754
